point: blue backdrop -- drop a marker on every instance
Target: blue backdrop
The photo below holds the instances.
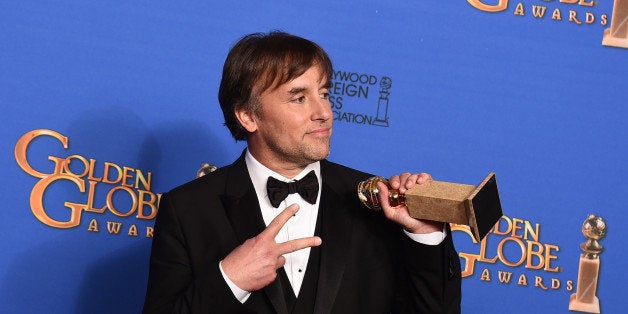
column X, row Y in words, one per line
column 454, row 88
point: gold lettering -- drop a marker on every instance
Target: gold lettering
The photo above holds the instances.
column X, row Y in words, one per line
column 523, row 280
column 604, row 19
column 92, row 163
column 132, row 231
column 127, row 173
column 569, row 285
column 152, row 202
column 555, row 284
column 93, row 225
column 519, row 9
column 573, row 17
column 538, row 11
column 105, row 176
column 532, row 253
column 502, row 256
column 504, row 276
column 21, row 148
column 112, row 207
column 469, row 263
column 90, row 199
column 486, row 275
column 585, row 3
column 500, row 6
column 580, row 2
column 530, row 232
column 536, row 255
column 139, row 177
column 516, row 225
column 590, row 18
column 496, row 228
column 549, row 257
column 59, row 164
column 483, row 257
column 149, row 232
column 66, row 165
column 556, row 15
column 538, row 282
column 76, row 167
column 470, row 259
column 113, row 227
column 37, row 205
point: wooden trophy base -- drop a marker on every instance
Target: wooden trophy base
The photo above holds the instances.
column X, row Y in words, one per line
column 477, row 207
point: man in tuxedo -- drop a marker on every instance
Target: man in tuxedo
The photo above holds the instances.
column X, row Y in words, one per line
column 281, row 230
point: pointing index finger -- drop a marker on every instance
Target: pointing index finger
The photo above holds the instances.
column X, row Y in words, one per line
column 298, row 244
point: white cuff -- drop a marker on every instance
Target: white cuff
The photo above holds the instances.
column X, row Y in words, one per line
column 241, row 295
column 432, row 238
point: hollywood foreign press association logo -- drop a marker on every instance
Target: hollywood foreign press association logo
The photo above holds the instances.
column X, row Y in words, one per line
column 360, row 98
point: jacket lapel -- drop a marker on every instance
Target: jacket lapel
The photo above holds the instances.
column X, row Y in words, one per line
column 240, row 202
column 244, row 213
column 336, row 224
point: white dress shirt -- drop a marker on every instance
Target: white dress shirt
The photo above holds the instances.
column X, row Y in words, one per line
column 301, row 225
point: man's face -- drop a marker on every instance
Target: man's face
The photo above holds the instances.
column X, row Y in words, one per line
column 292, row 127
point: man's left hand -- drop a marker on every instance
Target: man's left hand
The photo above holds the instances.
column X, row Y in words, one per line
column 399, row 214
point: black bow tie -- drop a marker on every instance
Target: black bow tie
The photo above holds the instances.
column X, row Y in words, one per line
column 307, row 187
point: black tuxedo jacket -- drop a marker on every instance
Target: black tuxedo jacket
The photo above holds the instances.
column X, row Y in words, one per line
column 367, row 265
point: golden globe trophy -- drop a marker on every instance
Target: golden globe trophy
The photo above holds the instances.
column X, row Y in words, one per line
column 585, row 299
column 475, row 206
column 617, row 34
column 205, row 169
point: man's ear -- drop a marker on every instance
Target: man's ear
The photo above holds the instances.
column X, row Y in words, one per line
column 246, row 117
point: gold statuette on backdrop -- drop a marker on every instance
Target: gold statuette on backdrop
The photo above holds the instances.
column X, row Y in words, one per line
column 478, row 207
column 585, row 298
column 617, row 34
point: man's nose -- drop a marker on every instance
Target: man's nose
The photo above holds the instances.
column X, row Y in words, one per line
column 322, row 110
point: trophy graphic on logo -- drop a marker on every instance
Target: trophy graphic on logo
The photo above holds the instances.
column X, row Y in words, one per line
column 585, row 299
column 617, row 34
column 382, row 104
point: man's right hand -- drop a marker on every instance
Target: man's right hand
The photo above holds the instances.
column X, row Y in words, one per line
column 253, row 265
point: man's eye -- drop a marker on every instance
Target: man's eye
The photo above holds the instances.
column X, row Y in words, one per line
column 299, row 100
column 325, row 95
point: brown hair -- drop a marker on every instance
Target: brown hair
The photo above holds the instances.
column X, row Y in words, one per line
column 261, row 61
